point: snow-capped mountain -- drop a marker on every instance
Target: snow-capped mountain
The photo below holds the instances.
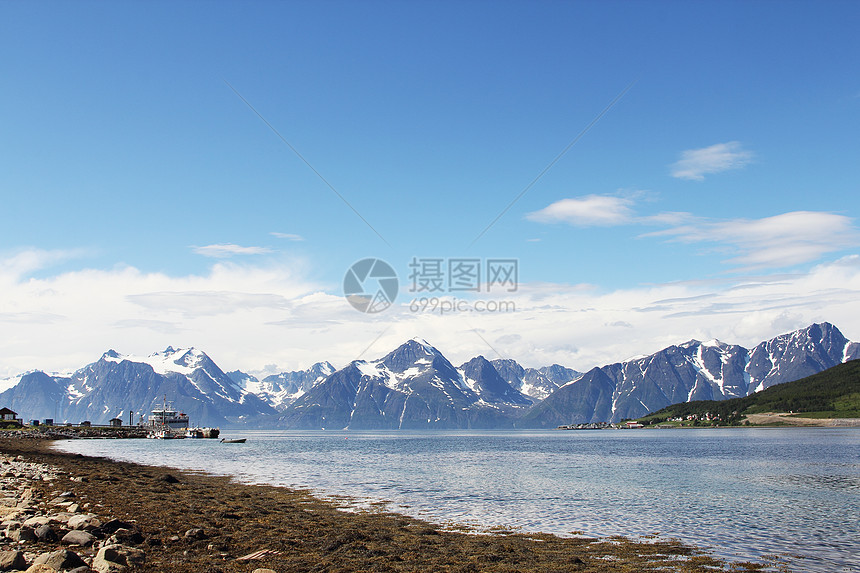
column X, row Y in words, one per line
column 281, row 390
column 412, row 387
column 537, row 383
column 117, row 384
column 484, row 380
column 798, row 354
column 415, row 386
column 694, row 370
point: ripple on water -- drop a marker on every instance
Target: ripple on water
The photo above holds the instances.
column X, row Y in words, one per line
column 746, row 494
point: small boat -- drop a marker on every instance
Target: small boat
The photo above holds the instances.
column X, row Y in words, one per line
column 164, row 435
column 235, row 441
column 202, row 433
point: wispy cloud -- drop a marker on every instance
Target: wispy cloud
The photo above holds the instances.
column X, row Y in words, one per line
column 26, row 261
column 696, row 163
column 193, row 304
column 226, row 250
column 287, row 236
column 772, row 242
column 246, row 316
column 587, row 211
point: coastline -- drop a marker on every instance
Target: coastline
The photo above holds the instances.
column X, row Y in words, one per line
column 191, row 521
column 789, row 420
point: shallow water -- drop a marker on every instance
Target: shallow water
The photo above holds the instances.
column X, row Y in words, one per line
column 745, row 494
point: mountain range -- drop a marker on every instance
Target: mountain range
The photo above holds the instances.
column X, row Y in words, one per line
column 416, row 387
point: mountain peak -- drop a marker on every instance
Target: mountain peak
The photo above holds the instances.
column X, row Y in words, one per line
column 428, row 348
column 412, row 351
column 323, row 368
column 191, row 358
column 170, row 350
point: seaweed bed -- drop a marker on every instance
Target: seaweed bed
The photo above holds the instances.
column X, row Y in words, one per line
column 193, row 522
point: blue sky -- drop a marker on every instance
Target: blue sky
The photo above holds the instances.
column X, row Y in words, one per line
column 142, row 196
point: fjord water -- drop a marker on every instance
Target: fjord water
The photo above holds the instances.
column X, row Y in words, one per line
column 744, row 494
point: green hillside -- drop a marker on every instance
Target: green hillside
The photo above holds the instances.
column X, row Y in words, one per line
column 834, row 393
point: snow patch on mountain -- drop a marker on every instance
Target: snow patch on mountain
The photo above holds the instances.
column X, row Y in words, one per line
column 8, row 383
column 181, row 360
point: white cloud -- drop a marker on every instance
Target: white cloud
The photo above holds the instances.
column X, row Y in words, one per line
column 696, row 163
column 27, row 261
column 778, row 241
column 578, row 325
column 248, row 316
column 772, row 242
column 226, row 250
column 287, row 236
column 587, row 211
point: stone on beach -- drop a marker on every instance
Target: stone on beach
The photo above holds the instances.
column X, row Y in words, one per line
column 61, row 560
column 37, row 521
column 45, row 533
column 78, row 537
column 88, row 522
column 114, row 525
column 117, row 558
column 195, row 533
column 124, row 536
column 41, row 568
column 21, row 534
column 12, row 560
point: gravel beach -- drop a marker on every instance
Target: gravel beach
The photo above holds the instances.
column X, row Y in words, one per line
column 65, row 512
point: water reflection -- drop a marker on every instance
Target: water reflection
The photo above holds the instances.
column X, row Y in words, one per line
column 744, row 493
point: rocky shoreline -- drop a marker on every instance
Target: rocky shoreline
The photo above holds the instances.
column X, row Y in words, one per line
column 32, row 523
column 65, row 512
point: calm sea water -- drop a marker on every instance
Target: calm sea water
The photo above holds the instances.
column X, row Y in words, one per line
column 742, row 493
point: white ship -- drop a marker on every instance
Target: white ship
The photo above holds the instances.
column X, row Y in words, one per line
column 167, row 422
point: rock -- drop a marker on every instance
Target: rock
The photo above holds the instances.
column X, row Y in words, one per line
column 41, row 568
column 35, row 522
column 124, row 536
column 11, row 514
column 12, row 560
column 61, row 560
column 88, row 522
column 113, row 525
column 22, row 534
column 78, row 537
column 82, row 569
column 168, row 478
column 116, row 558
column 61, row 518
column 195, row 533
column 45, row 533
